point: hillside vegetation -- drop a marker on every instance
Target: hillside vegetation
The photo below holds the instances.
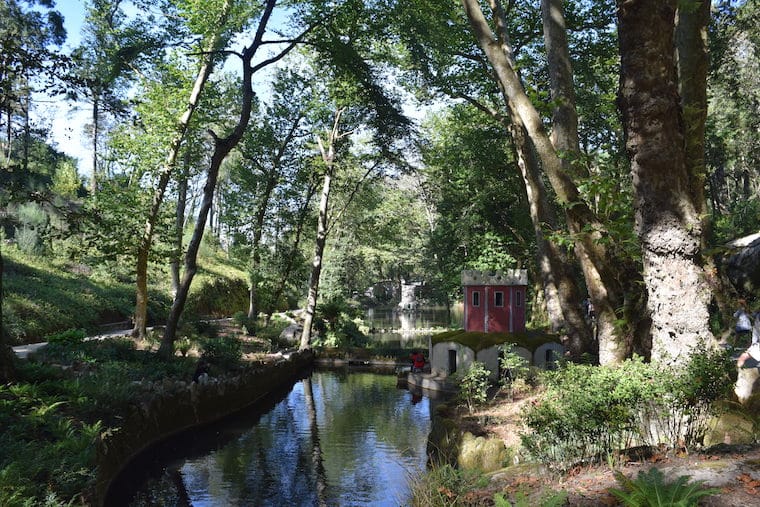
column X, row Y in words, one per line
column 47, row 295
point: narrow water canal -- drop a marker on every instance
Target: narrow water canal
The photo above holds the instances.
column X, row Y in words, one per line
column 336, row 438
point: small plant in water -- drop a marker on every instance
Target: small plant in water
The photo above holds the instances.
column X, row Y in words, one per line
column 649, row 489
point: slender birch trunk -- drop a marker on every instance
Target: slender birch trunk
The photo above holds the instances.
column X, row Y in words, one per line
column 146, row 240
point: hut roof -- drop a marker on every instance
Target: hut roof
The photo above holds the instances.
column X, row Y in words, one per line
column 478, row 341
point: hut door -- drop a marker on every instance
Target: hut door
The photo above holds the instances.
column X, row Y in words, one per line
column 452, row 361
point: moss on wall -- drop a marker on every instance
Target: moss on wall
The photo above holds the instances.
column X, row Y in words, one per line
column 478, row 341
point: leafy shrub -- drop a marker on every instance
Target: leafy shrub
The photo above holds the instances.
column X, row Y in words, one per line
column 68, row 337
column 224, row 350
column 590, row 413
column 219, row 297
column 707, row 377
column 340, row 330
column 51, row 417
column 649, row 489
column 741, row 219
column 183, row 345
column 272, row 332
column 242, row 320
column 515, row 371
column 473, row 385
column 34, row 223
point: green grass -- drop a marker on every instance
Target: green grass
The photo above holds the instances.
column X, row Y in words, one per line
column 43, row 296
column 47, row 295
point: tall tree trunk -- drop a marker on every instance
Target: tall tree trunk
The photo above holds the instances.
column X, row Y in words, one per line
column 7, row 370
column 328, row 157
column 273, row 179
column 668, row 222
column 564, row 135
column 179, row 225
column 692, row 20
column 8, row 134
column 95, row 140
column 222, row 148
column 594, row 259
column 261, row 211
column 561, row 291
column 146, row 240
column 692, row 58
column 27, row 129
column 316, row 265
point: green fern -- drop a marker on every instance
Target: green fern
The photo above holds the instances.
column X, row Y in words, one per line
column 649, row 489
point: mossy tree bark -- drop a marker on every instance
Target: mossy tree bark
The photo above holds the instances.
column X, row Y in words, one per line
column 668, row 221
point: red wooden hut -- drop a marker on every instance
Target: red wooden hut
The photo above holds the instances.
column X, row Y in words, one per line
column 494, row 302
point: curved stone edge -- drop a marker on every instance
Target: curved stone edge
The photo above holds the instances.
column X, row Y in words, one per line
column 179, row 406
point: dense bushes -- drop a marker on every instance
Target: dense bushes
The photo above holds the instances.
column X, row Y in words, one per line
column 590, row 413
column 337, row 325
column 473, row 385
column 219, row 297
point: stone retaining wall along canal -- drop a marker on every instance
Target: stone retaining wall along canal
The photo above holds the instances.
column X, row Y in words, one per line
column 176, row 406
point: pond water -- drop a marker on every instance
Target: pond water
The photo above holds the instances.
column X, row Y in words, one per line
column 400, row 329
column 335, row 438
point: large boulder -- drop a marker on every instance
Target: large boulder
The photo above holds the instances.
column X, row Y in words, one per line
column 483, row 454
column 291, row 334
column 731, row 428
column 743, row 264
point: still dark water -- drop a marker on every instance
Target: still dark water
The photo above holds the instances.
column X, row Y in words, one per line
column 336, row 438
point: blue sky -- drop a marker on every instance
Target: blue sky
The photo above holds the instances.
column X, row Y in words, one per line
column 73, row 17
column 67, row 120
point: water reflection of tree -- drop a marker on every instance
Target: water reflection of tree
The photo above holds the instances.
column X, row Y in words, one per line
column 318, row 446
column 270, row 464
column 316, row 451
column 368, row 426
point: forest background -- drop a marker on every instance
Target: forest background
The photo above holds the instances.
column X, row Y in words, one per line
column 314, row 185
